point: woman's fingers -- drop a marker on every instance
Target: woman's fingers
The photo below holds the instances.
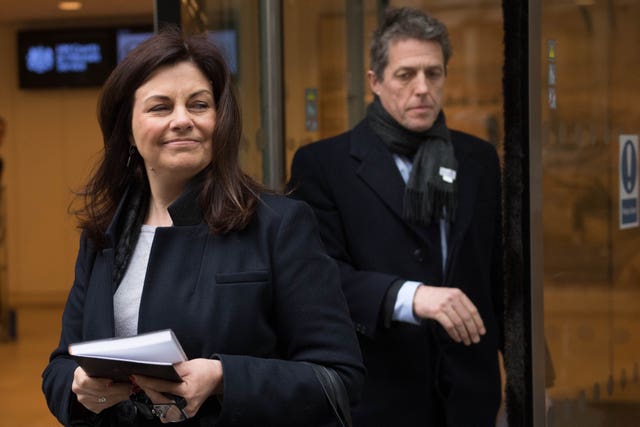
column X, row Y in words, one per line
column 97, row 394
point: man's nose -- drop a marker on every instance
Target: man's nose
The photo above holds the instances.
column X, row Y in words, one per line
column 421, row 84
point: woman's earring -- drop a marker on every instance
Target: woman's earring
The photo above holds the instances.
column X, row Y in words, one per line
column 132, row 150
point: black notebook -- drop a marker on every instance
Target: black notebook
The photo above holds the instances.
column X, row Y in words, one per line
column 151, row 354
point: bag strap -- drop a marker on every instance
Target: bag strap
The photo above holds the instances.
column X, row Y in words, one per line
column 335, row 391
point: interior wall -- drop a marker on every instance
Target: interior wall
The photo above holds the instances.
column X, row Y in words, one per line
column 51, row 140
column 51, row 144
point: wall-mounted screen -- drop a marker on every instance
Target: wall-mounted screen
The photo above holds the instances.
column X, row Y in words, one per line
column 127, row 39
column 71, row 57
column 81, row 57
column 225, row 39
column 65, row 58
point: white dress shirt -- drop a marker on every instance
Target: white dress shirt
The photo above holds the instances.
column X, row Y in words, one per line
column 403, row 308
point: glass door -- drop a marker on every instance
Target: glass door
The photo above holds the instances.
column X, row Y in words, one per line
column 326, row 92
column 590, row 211
column 315, row 70
column 326, row 60
column 234, row 25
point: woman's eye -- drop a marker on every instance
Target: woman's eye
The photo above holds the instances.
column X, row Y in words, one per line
column 200, row 105
column 159, row 107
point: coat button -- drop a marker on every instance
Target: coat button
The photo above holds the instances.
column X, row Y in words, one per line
column 418, row 255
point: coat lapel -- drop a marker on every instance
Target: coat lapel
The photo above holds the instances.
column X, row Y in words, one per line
column 377, row 167
column 468, row 174
column 379, row 171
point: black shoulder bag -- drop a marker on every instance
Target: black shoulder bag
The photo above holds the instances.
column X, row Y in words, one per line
column 336, row 393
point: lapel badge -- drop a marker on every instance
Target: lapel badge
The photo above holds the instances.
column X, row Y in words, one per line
column 448, row 175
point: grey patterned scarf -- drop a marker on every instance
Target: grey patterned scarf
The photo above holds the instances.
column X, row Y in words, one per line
column 430, row 193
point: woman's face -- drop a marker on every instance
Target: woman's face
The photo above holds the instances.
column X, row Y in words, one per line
column 172, row 123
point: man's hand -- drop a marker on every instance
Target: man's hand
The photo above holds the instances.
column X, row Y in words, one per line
column 452, row 309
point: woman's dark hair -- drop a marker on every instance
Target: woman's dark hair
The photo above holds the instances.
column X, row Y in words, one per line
column 401, row 24
column 228, row 197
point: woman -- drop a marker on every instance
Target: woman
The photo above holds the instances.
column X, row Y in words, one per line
column 176, row 236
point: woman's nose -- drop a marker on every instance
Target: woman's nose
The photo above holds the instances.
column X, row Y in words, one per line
column 181, row 119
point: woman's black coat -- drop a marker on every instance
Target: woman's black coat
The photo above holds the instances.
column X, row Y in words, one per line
column 262, row 300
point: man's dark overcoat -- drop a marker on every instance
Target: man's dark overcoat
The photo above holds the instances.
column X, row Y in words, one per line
column 417, row 375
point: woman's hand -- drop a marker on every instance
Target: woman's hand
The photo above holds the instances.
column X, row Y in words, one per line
column 201, row 378
column 98, row 394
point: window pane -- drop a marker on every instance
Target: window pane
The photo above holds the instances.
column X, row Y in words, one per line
column 591, row 264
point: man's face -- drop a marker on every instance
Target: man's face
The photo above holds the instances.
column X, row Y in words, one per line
column 413, row 85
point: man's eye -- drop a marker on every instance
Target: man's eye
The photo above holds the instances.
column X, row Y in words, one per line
column 434, row 74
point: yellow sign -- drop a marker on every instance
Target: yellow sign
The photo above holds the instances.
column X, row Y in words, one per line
column 551, row 48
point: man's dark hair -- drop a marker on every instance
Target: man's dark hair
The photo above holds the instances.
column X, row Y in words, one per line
column 401, row 24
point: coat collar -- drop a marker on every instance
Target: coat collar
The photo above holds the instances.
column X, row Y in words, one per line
column 184, row 211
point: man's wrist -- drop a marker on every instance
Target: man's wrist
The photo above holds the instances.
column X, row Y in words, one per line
column 404, row 306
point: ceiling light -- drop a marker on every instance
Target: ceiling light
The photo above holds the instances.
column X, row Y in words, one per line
column 70, row 5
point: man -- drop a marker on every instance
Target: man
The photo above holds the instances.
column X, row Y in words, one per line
column 410, row 210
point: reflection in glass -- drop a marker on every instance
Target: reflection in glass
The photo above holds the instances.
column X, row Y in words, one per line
column 591, row 265
column 234, row 25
